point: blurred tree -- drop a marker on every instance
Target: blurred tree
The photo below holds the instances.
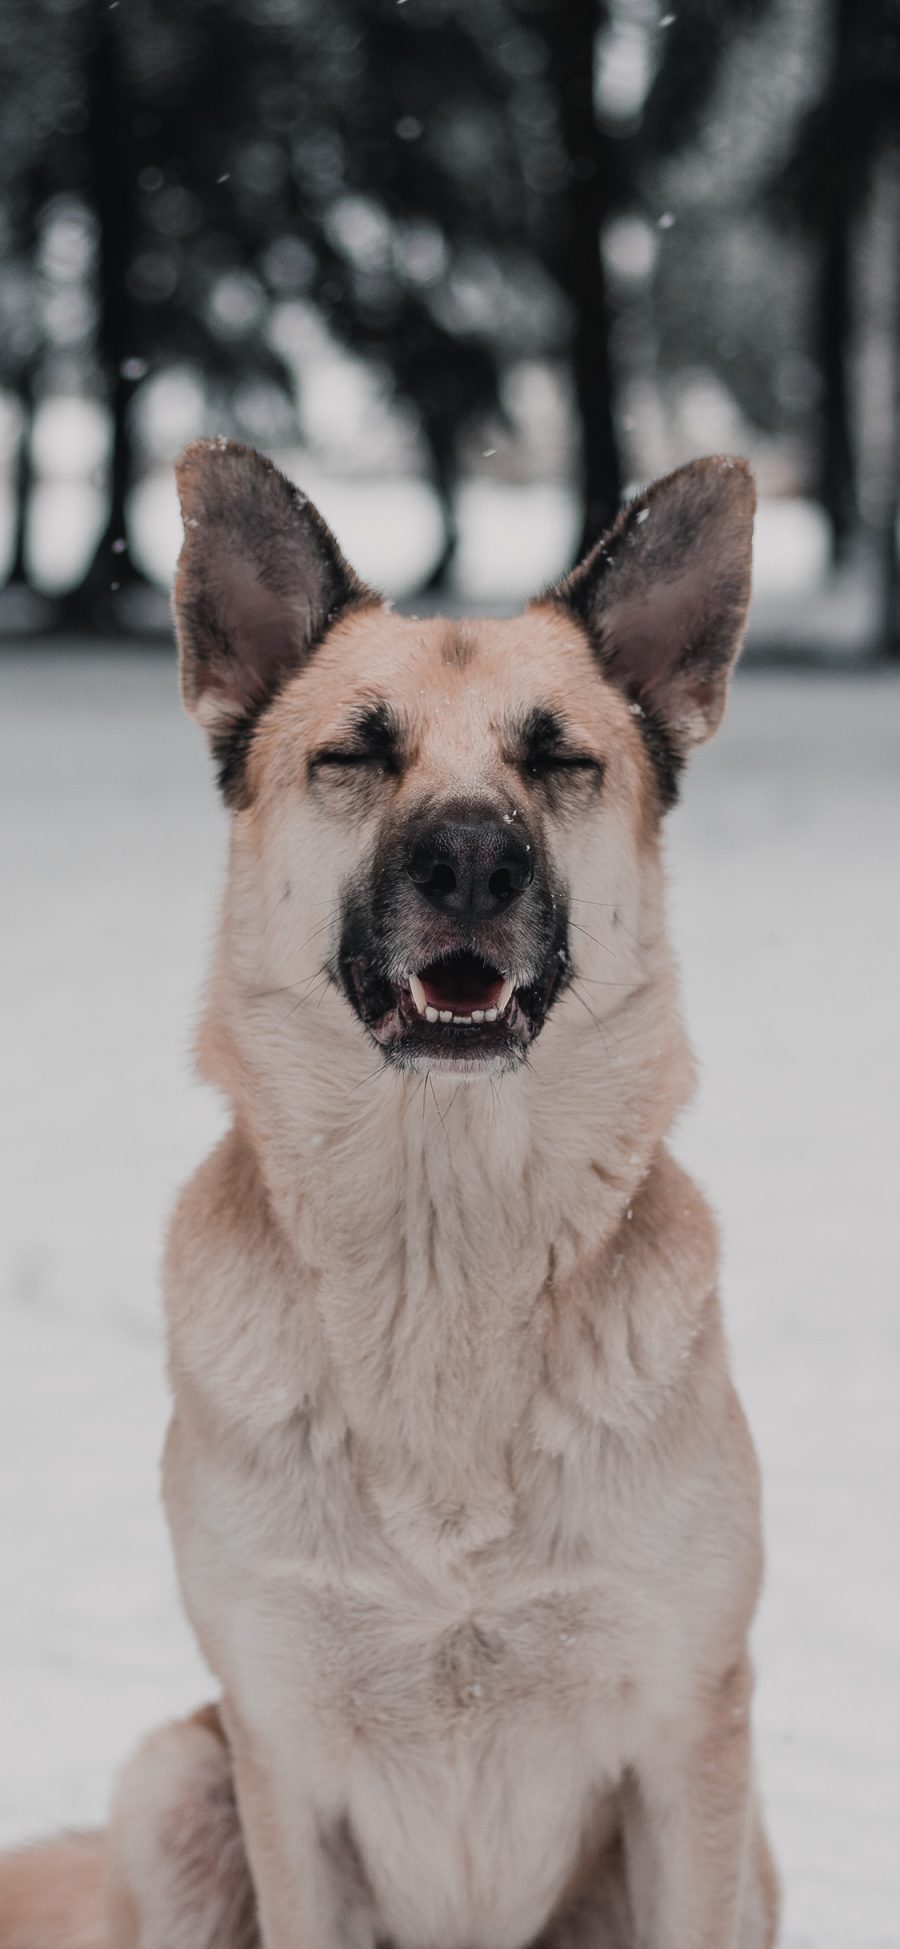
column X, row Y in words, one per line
column 442, row 184
column 693, row 47
column 889, row 498
column 164, row 251
column 824, row 187
column 108, row 183
column 386, row 166
column 415, row 224
column 33, row 135
column 595, row 189
column 21, row 360
column 354, row 159
column 704, row 143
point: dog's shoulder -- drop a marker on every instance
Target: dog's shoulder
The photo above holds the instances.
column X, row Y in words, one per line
column 238, row 1332
column 631, row 1324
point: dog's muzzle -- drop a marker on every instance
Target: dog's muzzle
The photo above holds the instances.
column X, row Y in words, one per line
column 459, row 963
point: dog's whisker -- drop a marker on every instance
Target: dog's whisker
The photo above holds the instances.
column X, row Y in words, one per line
column 598, row 981
column 595, row 1018
column 453, row 1098
column 307, row 996
column 437, row 1106
column 380, row 1070
column 302, row 945
column 607, row 906
column 587, row 935
column 330, row 921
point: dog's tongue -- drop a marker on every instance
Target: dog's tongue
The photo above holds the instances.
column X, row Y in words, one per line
column 462, row 983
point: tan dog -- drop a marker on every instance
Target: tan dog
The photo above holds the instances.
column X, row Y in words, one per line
column 464, row 1506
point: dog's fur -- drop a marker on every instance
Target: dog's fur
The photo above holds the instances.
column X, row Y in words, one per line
column 464, row 1506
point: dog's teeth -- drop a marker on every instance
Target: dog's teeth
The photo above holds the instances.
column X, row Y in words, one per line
column 478, row 1015
column 505, row 996
column 418, row 994
column 431, row 1014
column 462, row 1018
column 490, row 1014
column 446, row 1014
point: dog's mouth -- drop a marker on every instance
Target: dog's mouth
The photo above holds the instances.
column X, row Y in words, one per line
column 462, row 991
column 457, row 1011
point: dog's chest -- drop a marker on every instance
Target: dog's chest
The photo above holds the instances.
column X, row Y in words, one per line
column 448, row 1611
column 468, row 1724
column 471, row 1772
column 467, row 1746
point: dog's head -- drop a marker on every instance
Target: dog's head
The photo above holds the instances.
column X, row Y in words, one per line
column 442, row 817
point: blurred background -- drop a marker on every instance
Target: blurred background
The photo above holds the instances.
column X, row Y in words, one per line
column 506, row 258
column 469, row 269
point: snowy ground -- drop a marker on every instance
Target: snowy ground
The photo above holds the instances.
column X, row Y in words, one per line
column 784, row 859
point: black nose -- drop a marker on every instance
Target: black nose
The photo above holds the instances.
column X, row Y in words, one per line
column 471, row 868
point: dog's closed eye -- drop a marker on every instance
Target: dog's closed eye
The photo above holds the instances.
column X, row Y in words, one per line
column 372, row 744
column 335, row 760
column 545, row 752
column 543, row 764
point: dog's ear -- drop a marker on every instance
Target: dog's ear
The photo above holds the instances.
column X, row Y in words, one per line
column 663, row 597
column 260, row 579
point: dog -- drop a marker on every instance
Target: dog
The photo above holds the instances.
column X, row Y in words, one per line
column 464, row 1507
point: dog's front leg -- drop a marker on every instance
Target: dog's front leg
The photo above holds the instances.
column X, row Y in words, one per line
column 308, row 1888
column 692, row 1847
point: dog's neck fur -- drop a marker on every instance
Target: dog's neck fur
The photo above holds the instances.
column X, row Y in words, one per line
column 428, row 1216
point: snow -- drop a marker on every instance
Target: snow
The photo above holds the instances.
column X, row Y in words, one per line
column 784, row 866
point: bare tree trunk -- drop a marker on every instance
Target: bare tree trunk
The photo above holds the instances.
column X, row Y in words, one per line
column 837, row 464
column 442, row 458
column 19, row 575
column 572, row 33
column 110, row 149
column 889, row 631
column 837, row 472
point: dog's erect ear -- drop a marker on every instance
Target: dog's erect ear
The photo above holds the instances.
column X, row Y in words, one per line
column 663, row 598
column 260, row 579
